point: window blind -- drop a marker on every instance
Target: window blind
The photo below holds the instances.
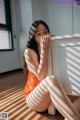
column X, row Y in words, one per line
column 5, row 26
column 2, row 12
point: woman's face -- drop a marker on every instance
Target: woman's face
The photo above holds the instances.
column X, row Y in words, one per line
column 41, row 30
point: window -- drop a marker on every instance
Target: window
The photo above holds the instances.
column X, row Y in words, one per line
column 5, row 26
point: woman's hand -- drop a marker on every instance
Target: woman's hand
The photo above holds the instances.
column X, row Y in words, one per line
column 44, row 42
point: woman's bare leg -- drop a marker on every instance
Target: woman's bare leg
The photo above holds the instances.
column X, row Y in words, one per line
column 50, row 88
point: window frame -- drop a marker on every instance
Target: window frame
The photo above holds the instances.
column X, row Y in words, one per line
column 8, row 25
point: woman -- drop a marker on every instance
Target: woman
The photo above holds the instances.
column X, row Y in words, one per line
column 42, row 91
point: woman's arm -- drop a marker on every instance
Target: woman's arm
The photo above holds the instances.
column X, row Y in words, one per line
column 39, row 69
column 43, row 66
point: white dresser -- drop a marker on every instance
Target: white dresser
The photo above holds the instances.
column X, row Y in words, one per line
column 64, row 61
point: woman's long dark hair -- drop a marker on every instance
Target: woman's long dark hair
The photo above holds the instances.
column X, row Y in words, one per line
column 32, row 44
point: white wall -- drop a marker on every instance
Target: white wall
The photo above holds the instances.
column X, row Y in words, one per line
column 76, row 18
column 24, row 20
column 62, row 18
column 40, row 10
column 58, row 17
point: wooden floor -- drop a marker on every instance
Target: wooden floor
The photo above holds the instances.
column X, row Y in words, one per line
column 12, row 99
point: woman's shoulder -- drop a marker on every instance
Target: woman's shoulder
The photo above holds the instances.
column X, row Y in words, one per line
column 29, row 51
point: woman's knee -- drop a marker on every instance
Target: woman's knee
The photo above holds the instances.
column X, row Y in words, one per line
column 51, row 79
